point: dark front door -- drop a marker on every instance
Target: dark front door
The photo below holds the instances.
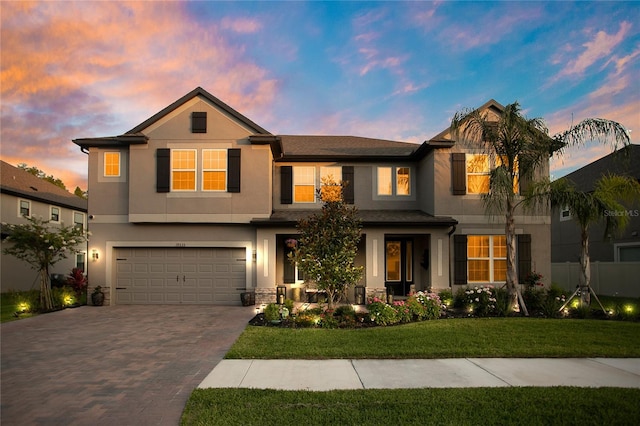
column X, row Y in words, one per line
column 398, row 265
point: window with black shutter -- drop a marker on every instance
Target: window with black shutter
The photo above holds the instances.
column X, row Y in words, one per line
column 286, row 185
column 163, row 169
column 347, row 191
column 458, row 173
column 233, row 166
column 524, row 257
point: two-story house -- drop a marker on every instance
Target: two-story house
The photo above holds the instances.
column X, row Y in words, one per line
column 197, row 204
column 25, row 195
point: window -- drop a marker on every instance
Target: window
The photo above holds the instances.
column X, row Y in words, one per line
column 80, row 261
column 394, row 181
column 477, row 174
column 516, row 181
column 384, row 181
column 214, row 170
column 402, row 181
column 112, row 164
column 565, row 214
column 183, row 170
column 78, row 220
column 487, row 258
column 199, row 122
column 330, row 183
column 55, row 214
column 24, row 208
column 304, row 184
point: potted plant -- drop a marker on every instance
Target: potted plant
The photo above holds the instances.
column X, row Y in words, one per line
column 97, row 297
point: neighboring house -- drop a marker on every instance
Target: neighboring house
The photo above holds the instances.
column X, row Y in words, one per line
column 195, row 205
column 23, row 194
column 565, row 232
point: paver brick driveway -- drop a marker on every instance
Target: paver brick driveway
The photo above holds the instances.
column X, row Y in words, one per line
column 112, row 365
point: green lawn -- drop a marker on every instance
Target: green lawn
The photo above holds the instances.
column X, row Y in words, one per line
column 479, row 406
column 486, row 337
column 452, row 338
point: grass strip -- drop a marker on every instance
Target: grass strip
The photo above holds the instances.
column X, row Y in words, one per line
column 452, row 338
column 468, row 406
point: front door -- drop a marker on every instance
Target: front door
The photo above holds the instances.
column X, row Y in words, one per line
column 399, row 265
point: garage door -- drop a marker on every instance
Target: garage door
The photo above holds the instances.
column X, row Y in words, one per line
column 180, row 275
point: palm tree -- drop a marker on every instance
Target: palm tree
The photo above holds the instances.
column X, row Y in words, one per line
column 603, row 203
column 520, row 146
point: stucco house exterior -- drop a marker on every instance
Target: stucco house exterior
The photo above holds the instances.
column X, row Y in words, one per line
column 622, row 247
column 23, row 194
column 196, row 204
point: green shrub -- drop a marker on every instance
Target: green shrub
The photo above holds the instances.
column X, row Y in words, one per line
column 446, row 297
column 25, row 301
column 482, row 299
column 382, row 314
column 288, row 303
column 272, row 312
column 503, row 302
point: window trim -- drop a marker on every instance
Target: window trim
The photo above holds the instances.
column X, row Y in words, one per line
column 225, row 169
column 618, row 246
column 294, row 184
column 105, row 164
column 393, row 176
column 194, row 170
column 563, row 218
column 84, row 219
column 84, row 260
column 51, row 219
column 29, row 207
column 491, row 259
column 486, row 173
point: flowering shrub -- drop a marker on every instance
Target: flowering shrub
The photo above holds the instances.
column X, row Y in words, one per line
column 77, row 281
column 482, row 300
column 403, row 313
column 381, row 313
column 533, row 280
column 431, row 303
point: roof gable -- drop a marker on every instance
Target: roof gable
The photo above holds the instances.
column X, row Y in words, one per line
column 198, row 91
column 20, row 183
column 445, row 135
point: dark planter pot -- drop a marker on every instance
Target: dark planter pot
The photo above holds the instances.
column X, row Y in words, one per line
column 97, row 299
column 248, row 298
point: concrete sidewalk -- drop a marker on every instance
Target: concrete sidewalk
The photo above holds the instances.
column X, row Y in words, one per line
column 323, row 375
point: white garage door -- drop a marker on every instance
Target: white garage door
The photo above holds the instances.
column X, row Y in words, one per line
column 180, row 275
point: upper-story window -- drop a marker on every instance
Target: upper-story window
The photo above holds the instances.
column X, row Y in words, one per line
column 54, row 214
column 214, row 169
column 24, row 208
column 78, row 220
column 394, row 180
column 565, row 214
column 112, row 164
column 478, row 174
column 183, row 170
column 304, row 184
column 330, row 183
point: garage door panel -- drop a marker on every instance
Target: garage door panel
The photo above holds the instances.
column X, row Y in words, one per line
column 180, row 275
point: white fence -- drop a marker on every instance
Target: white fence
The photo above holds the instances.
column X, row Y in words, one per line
column 607, row 278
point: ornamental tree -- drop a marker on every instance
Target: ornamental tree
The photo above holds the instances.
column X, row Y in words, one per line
column 328, row 244
column 42, row 245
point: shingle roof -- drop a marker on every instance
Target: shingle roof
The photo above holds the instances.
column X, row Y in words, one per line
column 311, row 146
column 20, row 183
column 625, row 161
column 368, row 217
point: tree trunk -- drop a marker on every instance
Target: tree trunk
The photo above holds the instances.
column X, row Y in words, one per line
column 46, row 298
column 585, row 269
column 512, row 271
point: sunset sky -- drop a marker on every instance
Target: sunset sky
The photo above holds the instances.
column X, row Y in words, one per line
column 387, row 70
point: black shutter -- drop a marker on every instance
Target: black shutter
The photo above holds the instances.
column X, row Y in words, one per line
column 286, row 185
column 524, row 257
column 460, row 259
column 459, row 173
column 233, row 170
column 289, row 268
column 524, row 182
column 198, row 122
column 347, row 191
column 163, row 169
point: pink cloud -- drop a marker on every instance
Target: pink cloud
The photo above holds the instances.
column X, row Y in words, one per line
column 597, row 48
column 91, row 65
column 241, row 25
